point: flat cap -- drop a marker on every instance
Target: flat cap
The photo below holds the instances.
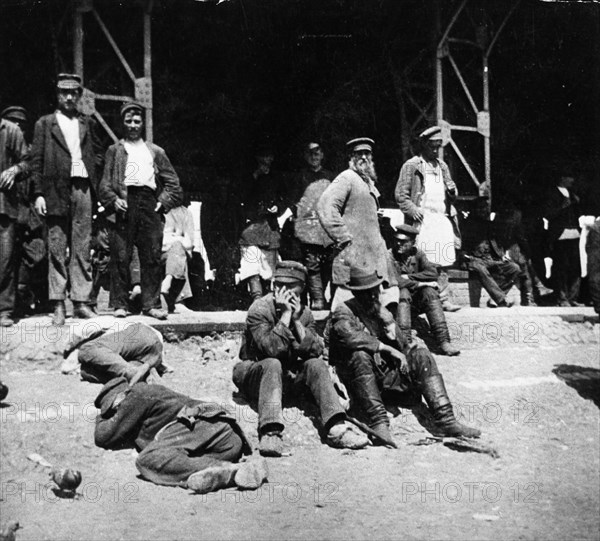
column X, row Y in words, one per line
column 312, row 146
column 15, row 112
column 289, row 271
column 107, row 395
column 403, row 230
column 432, row 134
column 360, row 143
column 131, row 106
column 68, row 81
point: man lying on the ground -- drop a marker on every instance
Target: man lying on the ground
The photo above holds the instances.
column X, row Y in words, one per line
column 374, row 363
column 182, row 441
column 281, row 348
column 105, row 354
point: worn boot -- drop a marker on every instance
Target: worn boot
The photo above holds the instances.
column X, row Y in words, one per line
column 443, row 285
column 404, row 321
column 315, row 288
column 366, row 396
column 526, row 291
column 435, row 394
column 255, row 287
column 82, row 311
column 439, row 328
column 246, row 476
column 60, row 314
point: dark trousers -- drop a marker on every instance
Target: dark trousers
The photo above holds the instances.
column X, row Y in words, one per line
column 120, row 353
column 370, row 379
column 178, row 451
column 427, row 300
column 496, row 277
column 264, row 382
column 318, row 260
column 141, row 227
column 32, row 263
column 74, row 233
column 566, row 269
column 7, row 265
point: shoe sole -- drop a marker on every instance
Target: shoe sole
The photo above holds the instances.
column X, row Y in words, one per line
column 251, row 475
column 210, row 480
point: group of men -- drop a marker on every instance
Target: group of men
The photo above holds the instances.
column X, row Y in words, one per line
column 63, row 180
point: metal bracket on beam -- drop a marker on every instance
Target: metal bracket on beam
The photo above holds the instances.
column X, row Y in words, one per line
column 483, row 123
column 143, row 91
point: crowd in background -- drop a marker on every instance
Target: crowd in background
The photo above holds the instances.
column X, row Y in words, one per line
column 76, row 217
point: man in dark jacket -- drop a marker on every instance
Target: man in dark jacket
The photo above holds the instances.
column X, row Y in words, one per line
column 593, row 253
column 562, row 212
column 486, row 259
column 138, row 187
column 13, row 166
column 65, row 166
column 316, row 245
column 375, row 364
column 281, row 347
column 182, row 441
column 417, row 281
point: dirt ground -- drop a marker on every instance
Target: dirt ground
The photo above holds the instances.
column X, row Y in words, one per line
column 537, row 405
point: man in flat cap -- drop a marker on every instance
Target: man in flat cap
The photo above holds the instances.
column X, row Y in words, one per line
column 182, row 441
column 138, row 187
column 425, row 192
column 66, row 163
column 348, row 213
column 378, row 367
column 417, row 281
column 316, row 245
column 31, row 236
column 13, row 169
column 281, row 349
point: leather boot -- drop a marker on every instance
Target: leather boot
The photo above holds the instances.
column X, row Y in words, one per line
column 526, row 290
column 447, row 306
column 439, row 328
column 366, row 395
column 60, row 314
column 315, row 289
column 255, row 287
column 404, row 321
column 435, row 394
column 82, row 311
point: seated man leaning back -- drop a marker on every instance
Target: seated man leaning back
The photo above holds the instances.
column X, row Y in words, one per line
column 281, row 349
column 375, row 363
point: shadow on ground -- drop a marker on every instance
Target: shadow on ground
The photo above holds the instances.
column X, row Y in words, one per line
column 586, row 381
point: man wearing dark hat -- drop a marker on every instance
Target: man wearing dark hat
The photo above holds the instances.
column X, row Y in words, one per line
column 281, row 349
column 66, row 164
column 417, row 281
column 425, row 192
column 13, row 166
column 182, row 441
column 138, row 187
column 316, row 245
column 376, row 365
column 31, row 236
column 348, row 213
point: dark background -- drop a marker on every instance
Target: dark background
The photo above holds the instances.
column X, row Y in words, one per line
column 230, row 75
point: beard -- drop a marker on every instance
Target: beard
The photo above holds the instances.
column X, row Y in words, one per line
column 373, row 308
column 365, row 167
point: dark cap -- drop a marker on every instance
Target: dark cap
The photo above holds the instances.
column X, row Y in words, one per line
column 131, row 106
column 404, row 230
column 105, row 399
column 431, row 134
column 361, row 279
column 360, row 143
column 289, row 272
column 68, row 81
column 15, row 112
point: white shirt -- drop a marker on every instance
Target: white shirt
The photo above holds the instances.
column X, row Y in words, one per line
column 570, row 233
column 70, row 131
column 140, row 165
column 434, row 196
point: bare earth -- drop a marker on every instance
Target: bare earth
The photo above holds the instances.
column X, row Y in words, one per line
column 544, row 426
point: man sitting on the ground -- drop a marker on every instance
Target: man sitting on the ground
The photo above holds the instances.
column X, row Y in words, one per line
column 182, row 441
column 375, row 364
column 486, row 258
column 281, row 345
column 417, row 280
